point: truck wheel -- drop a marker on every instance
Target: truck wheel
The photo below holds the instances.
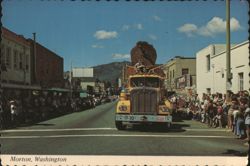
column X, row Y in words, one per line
column 119, row 125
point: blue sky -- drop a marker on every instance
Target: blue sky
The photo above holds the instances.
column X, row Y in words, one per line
column 93, row 33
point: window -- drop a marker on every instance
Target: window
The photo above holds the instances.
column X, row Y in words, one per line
column 208, row 63
column 170, row 77
column 208, row 90
column 184, row 71
column 8, row 57
column 20, row 61
column 241, row 81
column 15, row 59
column 2, row 54
column 145, row 81
column 27, row 62
column 173, row 73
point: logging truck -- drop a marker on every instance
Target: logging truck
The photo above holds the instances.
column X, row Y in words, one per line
column 143, row 99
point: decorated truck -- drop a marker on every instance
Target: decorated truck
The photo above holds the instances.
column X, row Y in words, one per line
column 143, row 99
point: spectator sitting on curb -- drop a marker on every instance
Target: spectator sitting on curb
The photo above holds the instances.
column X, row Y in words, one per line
column 247, row 123
column 240, row 132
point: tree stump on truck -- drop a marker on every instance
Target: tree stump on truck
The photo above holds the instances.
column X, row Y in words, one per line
column 143, row 53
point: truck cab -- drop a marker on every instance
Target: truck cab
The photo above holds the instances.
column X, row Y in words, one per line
column 143, row 101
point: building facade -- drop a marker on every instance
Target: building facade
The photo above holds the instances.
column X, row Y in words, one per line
column 177, row 68
column 83, row 79
column 211, row 68
column 15, row 59
column 47, row 67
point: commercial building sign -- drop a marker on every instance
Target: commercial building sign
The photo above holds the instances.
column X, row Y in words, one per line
column 83, row 72
column 184, row 81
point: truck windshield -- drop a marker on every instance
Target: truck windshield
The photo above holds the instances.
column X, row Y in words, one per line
column 144, row 81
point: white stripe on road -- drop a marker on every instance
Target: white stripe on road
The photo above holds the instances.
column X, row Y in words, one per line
column 206, row 129
column 69, row 129
column 95, row 129
column 116, row 135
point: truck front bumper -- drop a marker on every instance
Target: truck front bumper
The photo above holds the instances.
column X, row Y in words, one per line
column 143, row 118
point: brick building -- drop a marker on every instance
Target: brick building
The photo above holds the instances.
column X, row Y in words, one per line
column 15, row 59
column 47, row 69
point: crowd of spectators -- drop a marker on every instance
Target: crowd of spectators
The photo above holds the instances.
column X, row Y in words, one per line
column 217, row 110
column 19, row 110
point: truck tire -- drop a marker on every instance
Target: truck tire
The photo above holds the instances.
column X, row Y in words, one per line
column 119, row 125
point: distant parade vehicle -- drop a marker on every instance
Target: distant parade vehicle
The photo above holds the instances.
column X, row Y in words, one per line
column 143, row 98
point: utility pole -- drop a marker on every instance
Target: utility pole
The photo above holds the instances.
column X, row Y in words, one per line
column 71, row 89
column 228, row 48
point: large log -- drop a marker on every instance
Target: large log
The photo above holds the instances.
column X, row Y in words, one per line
column 143, row 53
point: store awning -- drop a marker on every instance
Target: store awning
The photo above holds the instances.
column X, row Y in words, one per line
column 58, row 89
column 24, row 87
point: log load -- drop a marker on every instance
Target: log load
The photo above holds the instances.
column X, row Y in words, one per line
column 143, row 53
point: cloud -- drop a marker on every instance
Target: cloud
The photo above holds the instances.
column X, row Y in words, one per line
column 139, row 26
column 132, row 26
column 120, row 56
column 153, row 37
column 125, row 27
column 188, row 29
column 235, row 24
column 157, row 18
column 97, row 46
column 102, row 34
column 215, row 26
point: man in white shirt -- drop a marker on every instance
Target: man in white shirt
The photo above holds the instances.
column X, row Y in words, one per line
column 13, row 111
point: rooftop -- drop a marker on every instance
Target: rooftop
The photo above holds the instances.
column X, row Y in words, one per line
column 13, row 36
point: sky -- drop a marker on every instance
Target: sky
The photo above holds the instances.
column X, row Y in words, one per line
column 90, row 33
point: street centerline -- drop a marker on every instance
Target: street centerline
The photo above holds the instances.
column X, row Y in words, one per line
column 116, row 135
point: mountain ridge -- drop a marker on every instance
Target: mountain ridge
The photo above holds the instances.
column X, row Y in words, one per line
column 110, row 71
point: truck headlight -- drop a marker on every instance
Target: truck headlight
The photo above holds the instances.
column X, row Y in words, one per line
column 123, row 108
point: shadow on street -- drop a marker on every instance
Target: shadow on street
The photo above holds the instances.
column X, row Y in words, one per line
column 157, row 128
column 235, row 152
column 44, row 124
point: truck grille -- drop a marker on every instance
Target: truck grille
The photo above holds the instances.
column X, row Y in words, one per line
column 144, row 101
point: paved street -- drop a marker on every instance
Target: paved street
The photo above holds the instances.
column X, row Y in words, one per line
column 93, row 132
